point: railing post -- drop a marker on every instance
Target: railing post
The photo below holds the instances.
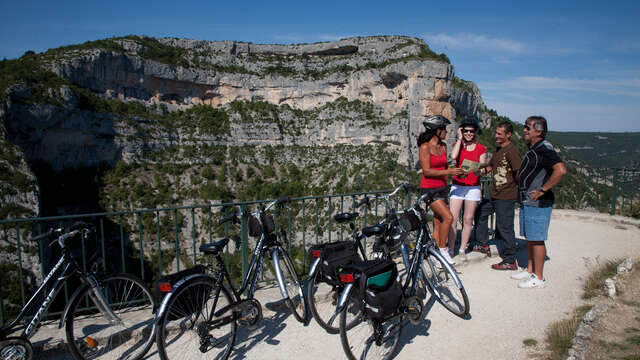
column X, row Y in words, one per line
column 193, row 233
column 304, row 242
column 245, row 241
column 160, row 269
column 124, row 268
column 21, row 277
column 329, row 219
column 175, row 226
column 614, row 195
column 141, row 248
column 317, row 220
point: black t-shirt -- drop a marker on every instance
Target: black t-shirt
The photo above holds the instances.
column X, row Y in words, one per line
column 536, row 168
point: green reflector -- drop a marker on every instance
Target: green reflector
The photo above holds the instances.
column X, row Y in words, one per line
column 380, row 279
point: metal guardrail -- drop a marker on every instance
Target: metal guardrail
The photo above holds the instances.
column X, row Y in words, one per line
column 150, row 242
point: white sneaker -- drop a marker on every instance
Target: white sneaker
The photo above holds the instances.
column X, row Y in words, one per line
column 446, row 256
column 533, row 283
column 523, row 275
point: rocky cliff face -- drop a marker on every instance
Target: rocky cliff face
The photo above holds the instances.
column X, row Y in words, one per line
column 137, row 122
column 397, row 76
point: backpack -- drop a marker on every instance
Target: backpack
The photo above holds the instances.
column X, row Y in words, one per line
column 380, row 289
column 334, row 257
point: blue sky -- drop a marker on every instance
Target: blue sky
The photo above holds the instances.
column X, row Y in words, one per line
column 575, row 62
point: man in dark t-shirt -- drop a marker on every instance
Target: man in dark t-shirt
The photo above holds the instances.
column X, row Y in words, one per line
column 503, row 167
column 541, row 170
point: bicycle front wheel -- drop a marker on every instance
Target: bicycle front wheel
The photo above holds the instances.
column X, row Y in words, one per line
column 295, row 297
column 187, row 327
column 366, row 339
column 91, row 335
column 441, row 282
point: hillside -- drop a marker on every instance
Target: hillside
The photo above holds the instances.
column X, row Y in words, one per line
column 598, row 149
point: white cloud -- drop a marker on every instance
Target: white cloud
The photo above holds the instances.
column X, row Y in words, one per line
column 627, row 87
column 468, row 41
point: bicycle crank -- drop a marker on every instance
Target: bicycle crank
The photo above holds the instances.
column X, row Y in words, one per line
column 250, row 313
column 15, row 348
column 413, row 309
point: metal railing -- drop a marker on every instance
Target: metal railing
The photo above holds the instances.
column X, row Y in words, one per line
column 152, row 242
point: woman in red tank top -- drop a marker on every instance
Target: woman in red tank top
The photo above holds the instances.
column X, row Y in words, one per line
column 432, row 153
column 465, row 189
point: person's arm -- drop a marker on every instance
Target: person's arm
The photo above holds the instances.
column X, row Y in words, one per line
column 482, row 160
column 455, row 151
column 425, row 163
column 559, row 170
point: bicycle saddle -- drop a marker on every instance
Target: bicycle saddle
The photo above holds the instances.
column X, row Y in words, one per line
column 374, row 230
column 345, row 217
column 214, row 248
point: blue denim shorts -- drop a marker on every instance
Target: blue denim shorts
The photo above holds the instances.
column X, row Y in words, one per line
column 534, row 222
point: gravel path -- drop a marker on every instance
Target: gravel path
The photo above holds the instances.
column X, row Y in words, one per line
column 501, row 314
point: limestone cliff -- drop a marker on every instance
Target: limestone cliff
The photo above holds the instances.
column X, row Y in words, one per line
column 136, row 122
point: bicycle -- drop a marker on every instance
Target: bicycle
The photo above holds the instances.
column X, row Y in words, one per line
column 437, row 274
column 323, row 285
column 108, row 315
column 364, row 336
column 199, row 317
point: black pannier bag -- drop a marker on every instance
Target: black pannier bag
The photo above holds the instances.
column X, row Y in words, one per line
column 333, row 257
column 267, row 222
column 379, row 287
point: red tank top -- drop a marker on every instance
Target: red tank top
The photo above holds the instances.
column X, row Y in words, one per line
column 470, row 179
column 437, row 163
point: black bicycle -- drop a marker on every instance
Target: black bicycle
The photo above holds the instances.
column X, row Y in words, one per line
column 323, row 284
column 367, row 336
column 108, row 316
column 199, row 318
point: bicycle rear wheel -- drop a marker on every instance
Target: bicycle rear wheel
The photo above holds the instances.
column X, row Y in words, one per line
column 363, row 338
column 442, row 284
column 295, row 301
column 92, row 336
column 185, row 326
column 323, row 300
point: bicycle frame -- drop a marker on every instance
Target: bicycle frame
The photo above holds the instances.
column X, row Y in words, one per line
column 55, row 280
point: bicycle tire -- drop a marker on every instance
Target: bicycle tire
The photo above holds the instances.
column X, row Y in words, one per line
column 441, row 284
column 191, row 305
column 359, row 340
column 295, row 296
column 323, row 299
column 91, row 336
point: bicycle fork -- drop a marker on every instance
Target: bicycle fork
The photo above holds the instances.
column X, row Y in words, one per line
column 98, row 299
column 275, row 256
column 342, row 302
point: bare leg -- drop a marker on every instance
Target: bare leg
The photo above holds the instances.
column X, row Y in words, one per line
column 442, row 222
column 539, row 251
column 529, row 257
column 469, row 212
column 455, row 205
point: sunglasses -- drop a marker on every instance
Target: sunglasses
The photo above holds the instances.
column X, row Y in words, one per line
column 469, row 131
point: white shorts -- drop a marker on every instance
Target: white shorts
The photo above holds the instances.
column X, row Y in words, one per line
column 461, row 192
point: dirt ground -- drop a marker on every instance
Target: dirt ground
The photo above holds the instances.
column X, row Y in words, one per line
column 617, row 335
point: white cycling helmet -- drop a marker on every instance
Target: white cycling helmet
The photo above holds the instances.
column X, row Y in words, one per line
column 435, row 122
